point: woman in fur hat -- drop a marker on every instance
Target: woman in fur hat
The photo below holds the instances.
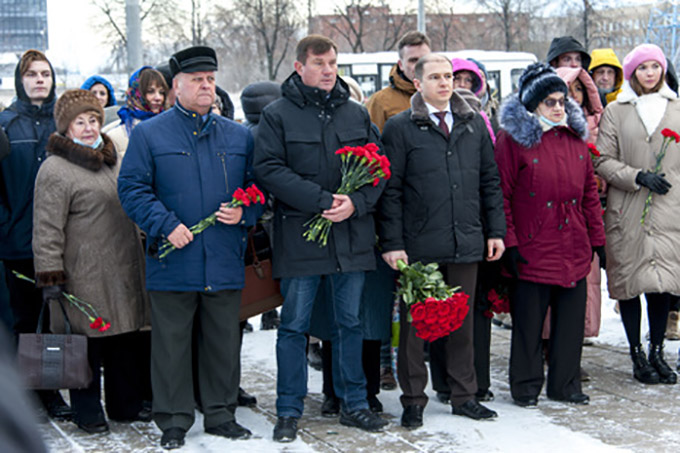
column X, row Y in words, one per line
column 642, row 257
column 145, row 98
column 84, row 244
column 555, row 226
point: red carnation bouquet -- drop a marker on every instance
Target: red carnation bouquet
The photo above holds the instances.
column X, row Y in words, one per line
column 361, row 165
column 668, row 137
column 594, row 153
column 499, row 301
column 251, row 195
column 96, row 321
column 434, row 308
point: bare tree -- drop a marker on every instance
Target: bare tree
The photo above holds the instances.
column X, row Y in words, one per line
column 441, row 27
column 196, row 35
column 352, row 23
column 513, row 17
column 394, row 25
column 274, row 23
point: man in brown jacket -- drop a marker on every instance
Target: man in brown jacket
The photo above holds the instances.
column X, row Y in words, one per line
column 397, row 97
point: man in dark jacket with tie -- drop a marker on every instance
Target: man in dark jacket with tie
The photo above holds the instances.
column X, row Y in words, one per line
column 443, row 204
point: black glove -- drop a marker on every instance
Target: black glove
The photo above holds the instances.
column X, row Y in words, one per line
column 600, row 254
column 52, row 292
column 655, row 183
column 510, row 259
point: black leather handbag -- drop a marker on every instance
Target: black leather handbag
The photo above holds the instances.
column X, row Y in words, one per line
column 54, row 361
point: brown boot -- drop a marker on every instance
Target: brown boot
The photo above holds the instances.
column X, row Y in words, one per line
column 387, row 381
column 672, row 328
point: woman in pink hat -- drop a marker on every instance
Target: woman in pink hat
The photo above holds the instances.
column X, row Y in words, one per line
column 643, row 256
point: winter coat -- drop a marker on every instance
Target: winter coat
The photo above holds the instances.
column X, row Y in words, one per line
column 607, row 56
column 564, row 44
column 551, row 204
column 391, row 100
column 640, row 258
column 444, row 199
column 27, row 127
column 95, row 79
column 295, row 160
column 178, row 169
column 476, row 104
column 83, row 239
column 119, row 136
column 227, row 109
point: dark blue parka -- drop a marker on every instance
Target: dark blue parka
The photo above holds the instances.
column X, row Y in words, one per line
column 178, row 169
column 28, row 127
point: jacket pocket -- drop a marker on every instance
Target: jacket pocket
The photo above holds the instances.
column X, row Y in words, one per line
column 303, row 150
column 353, row 137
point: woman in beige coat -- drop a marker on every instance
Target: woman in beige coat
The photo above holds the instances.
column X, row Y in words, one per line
column 642, row 257
column 84, row 244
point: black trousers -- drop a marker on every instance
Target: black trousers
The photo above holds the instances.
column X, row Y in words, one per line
column 529, row 304
column 458, row 348
column 172, row 319
column 124, row 381
column 370, row 356
column 24, row 298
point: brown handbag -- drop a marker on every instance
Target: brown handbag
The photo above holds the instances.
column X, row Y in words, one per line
column 53, row 361
column 261, row 292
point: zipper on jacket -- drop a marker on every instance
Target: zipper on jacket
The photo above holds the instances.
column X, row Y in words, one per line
column 224, row 170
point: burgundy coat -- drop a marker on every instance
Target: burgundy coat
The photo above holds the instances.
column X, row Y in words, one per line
column 552, row 208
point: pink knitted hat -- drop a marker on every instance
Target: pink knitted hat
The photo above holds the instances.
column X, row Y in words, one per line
column 642, row 53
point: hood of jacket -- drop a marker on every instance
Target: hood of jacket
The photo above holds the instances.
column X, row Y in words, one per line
column 256, row 96
column 565, row 44
column 83, row 156
column 399, row 81
column 21, row 93
column 607, row 56
column 459, row 108
column 227, row 109
column 301, row 95
column 95, row 79
column 671, row 76
column 525, row 128
column 459, row 64
column 571, row 74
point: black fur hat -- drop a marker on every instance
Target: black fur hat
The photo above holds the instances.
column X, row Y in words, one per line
column 539, row 81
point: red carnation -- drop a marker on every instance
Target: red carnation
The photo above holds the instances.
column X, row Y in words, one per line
column 242, row 196
column 593, row 150
column 105, row 327
column 96, row 323
column 671, row 134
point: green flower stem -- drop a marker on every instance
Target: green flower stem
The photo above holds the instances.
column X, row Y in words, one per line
column 657, row 170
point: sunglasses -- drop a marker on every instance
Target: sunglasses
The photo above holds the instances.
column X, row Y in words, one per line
column 550, row 103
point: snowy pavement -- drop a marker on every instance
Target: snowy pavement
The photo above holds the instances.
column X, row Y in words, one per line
column 623, row 415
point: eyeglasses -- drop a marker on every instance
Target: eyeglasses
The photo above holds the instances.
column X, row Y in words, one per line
column 550, row 103
column 463, row 79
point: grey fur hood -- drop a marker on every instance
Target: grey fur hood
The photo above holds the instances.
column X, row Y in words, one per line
column 459, row 107
column 525, row 128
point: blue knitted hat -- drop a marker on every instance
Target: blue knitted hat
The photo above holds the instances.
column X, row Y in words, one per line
column 539, row 81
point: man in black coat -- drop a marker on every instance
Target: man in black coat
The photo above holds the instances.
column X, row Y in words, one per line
column 443, row 204
column 295, row 160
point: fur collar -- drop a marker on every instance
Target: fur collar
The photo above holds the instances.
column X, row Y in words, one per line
column 628, row 95
column 526, row 129
column 459, row 108
column 83, row 156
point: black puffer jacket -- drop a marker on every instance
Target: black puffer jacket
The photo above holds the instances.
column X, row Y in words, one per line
column 444, row 198
column 565, row 44
column 295, row 161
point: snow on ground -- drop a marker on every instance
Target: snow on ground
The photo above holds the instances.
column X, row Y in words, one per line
column 622, row 416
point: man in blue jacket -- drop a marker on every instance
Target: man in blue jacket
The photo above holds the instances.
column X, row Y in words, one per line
column 295, row 160
column 180, row 167
column 28, row 123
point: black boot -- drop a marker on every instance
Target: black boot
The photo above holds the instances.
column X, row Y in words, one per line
column 666, row 374
column 642, row 370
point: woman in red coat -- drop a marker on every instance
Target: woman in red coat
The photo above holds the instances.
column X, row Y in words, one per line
column 554, row 224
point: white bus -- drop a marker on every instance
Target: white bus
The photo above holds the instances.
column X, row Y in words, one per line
column 372, row 70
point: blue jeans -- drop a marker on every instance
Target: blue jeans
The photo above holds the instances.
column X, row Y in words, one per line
column 349, row 381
